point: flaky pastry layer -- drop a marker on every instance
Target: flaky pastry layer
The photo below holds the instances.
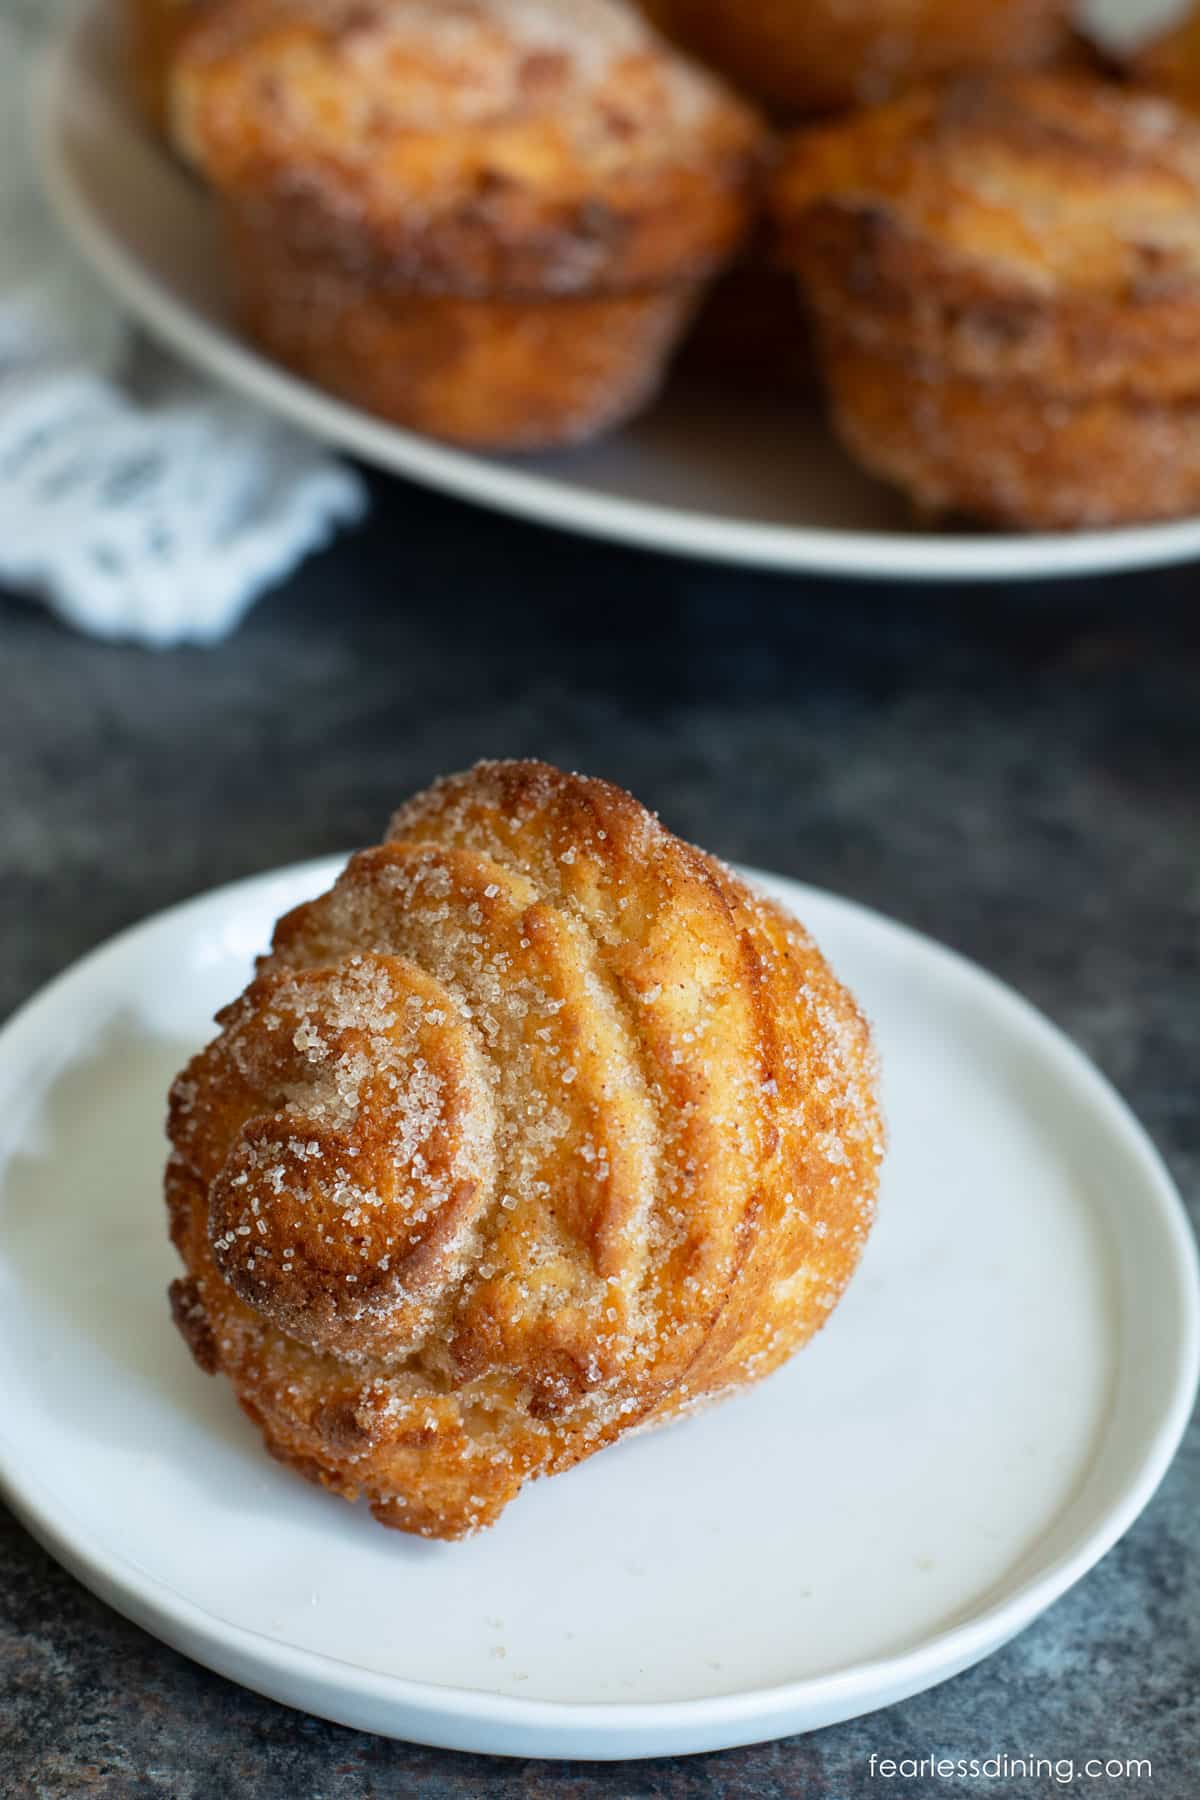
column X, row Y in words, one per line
column 491, row 374
column 539, row 1127
column 1005, row 280
column 1008, row 454
column 1046, row 227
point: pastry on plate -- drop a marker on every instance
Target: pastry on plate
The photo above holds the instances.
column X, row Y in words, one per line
column 488, row 220
column 806, row 56
column 540, row 1127
column 1005, row 279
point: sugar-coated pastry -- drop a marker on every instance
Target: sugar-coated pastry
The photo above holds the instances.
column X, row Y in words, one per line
column 489, row 220
column 540, row 1127
column 811, row 56
column 1011, row 454
column 1005, row 278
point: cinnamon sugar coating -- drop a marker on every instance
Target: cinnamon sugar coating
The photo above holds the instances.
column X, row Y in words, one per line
column 410, row 189
column 491, row 374
column 518, row 147
column 1010, row 453
column 1005, row 275
column 539, row 1127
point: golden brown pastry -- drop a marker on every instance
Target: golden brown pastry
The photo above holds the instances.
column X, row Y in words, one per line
column 1018, row 458
column 489, row 220
column 1005, row 276
column 811, row 56
column 539, row 1127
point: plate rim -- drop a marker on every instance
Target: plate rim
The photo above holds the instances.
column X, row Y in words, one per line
column 456, row 1714
column 504, row 487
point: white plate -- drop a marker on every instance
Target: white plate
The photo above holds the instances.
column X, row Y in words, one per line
column 987, row 1411
column 709, row 475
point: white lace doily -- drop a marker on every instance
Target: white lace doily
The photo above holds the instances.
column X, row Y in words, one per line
column 153, row 519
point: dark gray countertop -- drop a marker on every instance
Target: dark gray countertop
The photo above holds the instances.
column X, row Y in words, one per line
column 1016, row 771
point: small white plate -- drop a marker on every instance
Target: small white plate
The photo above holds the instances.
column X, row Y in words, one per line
column 991, row 1406
column 712, row 474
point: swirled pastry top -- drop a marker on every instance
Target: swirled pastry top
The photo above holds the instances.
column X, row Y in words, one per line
column 1047, row 182
column 539, row 1125
column 1042, row 227
column 471, row 144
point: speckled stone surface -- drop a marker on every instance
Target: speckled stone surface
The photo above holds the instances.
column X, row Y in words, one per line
column 1014, row 771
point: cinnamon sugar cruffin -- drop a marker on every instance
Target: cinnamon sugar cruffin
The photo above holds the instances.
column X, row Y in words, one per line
column 539, row 1127
column 391, row 170
column 1005, row 279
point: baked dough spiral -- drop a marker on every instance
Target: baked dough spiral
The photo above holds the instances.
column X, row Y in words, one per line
column 539, row 1126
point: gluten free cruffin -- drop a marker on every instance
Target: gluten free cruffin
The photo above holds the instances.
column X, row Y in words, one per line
column 540, row 1127
column 375, row 158
column 1016, row 261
